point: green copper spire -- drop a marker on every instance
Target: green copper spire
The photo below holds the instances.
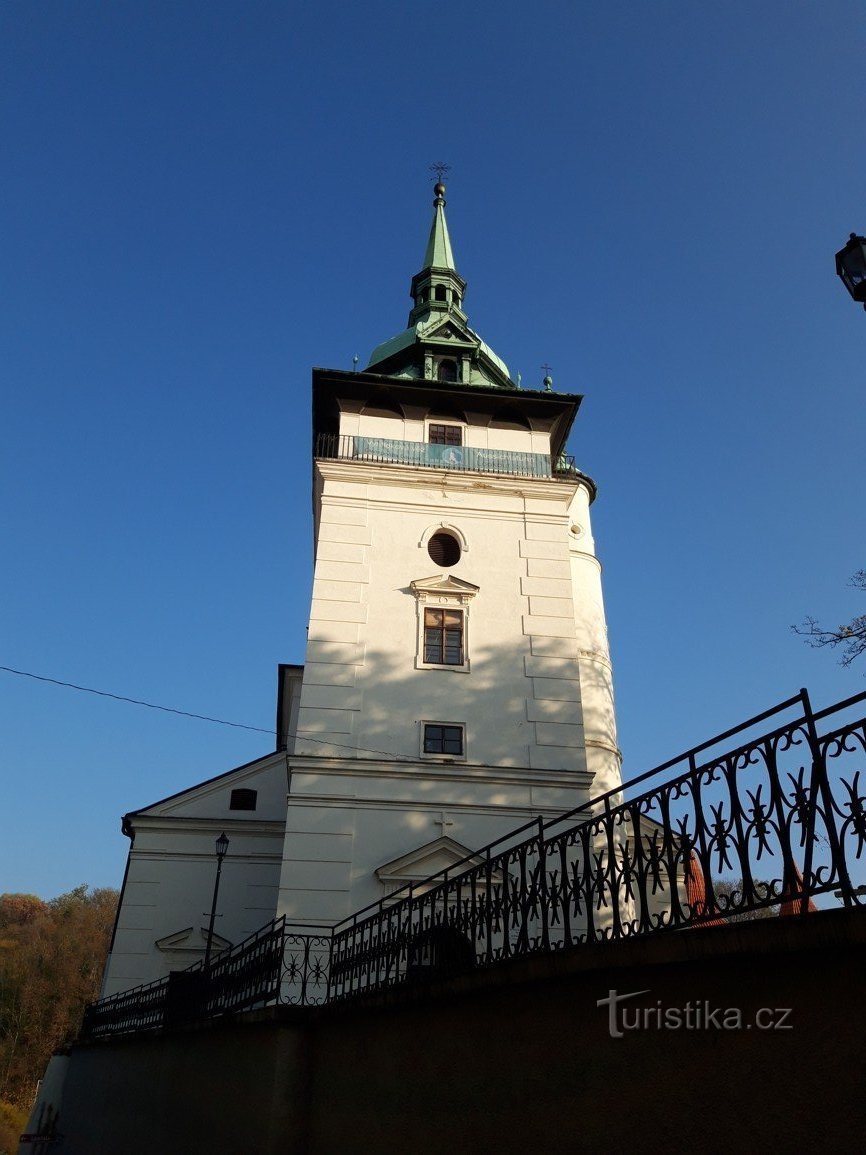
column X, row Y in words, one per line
column 438, row 288
column 439, row 254
column 438, row 344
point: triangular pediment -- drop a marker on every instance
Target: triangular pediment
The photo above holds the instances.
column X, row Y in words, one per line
column 419, row 864
column 423, row 865
column 440, row 585
column 189, row 940
column 452, row 331
column 211, row 798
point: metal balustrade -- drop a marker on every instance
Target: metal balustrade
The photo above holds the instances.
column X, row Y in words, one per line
column 421, row 454
column 783, row 814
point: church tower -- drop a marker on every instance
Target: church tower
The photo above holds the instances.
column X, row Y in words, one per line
column 457, row 680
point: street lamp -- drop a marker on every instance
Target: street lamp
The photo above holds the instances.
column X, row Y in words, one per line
column 851, row 267
column 222, row 845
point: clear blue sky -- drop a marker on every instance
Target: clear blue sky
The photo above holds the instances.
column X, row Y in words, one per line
column 200, row 201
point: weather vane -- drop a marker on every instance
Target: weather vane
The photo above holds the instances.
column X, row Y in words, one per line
column 441, row 169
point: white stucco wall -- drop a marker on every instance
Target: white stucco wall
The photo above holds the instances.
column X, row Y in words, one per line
column 596, row 674
column 345, row 820
column 171, row 870
column 535, row 697
column 362, row 688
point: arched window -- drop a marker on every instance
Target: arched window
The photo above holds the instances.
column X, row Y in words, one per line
column 441, row 293
column 446, row 370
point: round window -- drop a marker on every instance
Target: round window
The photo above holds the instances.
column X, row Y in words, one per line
column 444, row 549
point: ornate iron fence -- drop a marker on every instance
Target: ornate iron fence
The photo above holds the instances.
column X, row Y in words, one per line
column 279, row 963
column 782, row 814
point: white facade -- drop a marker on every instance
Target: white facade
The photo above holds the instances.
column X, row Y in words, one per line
column 163, row 919
column 533, row 696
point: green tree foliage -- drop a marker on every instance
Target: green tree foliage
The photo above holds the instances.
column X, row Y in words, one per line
column 51, row 960
column 12, row 1123
column 851, row 636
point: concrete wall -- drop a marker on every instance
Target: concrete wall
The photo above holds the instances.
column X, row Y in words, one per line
column 236, row 1089
column 517, row 1059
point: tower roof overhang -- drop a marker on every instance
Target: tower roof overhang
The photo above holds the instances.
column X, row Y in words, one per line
column 333, row 389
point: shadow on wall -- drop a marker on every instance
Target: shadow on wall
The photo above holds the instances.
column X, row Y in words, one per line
column 379, row 708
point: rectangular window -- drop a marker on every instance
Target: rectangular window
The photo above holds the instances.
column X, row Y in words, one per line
column 443, row 637
column 242, row 800
column 445, row 435
column 440, row 739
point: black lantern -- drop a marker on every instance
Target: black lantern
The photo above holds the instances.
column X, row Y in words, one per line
column 851, row 267
column 222, row 845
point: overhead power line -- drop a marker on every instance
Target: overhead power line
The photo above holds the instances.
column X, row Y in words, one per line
column 134, row 701
column 199, row 717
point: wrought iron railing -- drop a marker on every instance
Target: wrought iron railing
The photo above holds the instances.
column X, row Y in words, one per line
column 141, row 1008
column 782, row 814
column 281, row 962
column 421, row 454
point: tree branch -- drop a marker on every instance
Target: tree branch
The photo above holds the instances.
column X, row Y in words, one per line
column 851, row 636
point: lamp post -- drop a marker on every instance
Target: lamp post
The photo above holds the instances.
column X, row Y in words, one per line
column 851, row 267
column 222, row 845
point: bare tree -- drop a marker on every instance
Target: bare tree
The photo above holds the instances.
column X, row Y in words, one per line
column 851, row 636
column 730, row 890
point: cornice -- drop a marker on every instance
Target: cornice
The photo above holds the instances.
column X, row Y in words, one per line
column 457, row 772
column 163, row 854
column 515, row 810
column 423, row 476
column 479, row 511
column 202, row 825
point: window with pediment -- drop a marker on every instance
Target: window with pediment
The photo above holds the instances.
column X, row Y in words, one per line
column 443, row 623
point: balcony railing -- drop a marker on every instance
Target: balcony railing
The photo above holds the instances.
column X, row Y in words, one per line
column 421, row 454
column 768, row 825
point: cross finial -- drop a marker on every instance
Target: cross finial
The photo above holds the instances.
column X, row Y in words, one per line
column 441, row 169
column 548, row 380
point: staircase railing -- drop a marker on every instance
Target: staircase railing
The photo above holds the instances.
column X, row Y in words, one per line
column 742, row 825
